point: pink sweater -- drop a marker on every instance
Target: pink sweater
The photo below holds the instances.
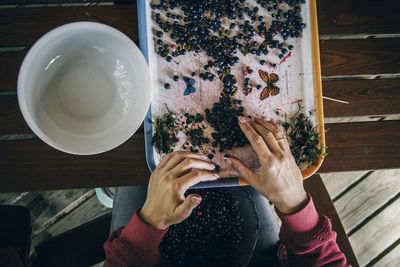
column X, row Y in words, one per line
column 307, row 240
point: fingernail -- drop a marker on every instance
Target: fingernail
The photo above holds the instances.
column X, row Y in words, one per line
column 196, row 199
column 226, row 156
column 211, row 167
column 216, row 175
column 258, row 116
column 243, row 119
column 204, row 157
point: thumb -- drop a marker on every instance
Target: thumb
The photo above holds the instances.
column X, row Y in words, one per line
column 185, row 209
column 245, row 172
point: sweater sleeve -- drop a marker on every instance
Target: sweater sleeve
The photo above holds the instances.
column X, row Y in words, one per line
column 136, row 244
column 309, row 239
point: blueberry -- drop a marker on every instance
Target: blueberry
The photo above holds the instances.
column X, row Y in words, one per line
column 168, row 59
column 280, row 56
column 290, row 47
column 210, row 156
column 159, row 34
column 258, row 86
column 262, row 62
column 217, row 168
column 176, row 78
column 167, row 85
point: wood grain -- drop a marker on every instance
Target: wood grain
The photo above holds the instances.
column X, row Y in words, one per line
column 6, row 197
column 11, row 119
column 347, row 17
column 25, row 26
column 377, row 234
column 391, row 259
column 356, row 57
column 88, row 211
column 45, row 205
column 31, row 165
column 365, row 97
column 337, row 182
column 30, row 2
column 362, row 146
column 9, row 68
column 364, row 199
column 324, row 205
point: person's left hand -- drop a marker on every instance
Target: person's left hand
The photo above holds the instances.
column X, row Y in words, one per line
column 166, row 204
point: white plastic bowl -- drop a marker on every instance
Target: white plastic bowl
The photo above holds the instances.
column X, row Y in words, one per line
column 84, row 88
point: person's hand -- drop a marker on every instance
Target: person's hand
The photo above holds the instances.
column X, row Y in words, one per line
column 166, row 204
column 278, row 179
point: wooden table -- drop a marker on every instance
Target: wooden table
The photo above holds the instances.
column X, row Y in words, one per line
column 360, row 55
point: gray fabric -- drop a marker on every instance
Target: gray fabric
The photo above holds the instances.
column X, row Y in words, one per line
column 128, row 199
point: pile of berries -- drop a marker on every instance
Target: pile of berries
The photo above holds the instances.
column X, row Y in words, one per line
column 223, row 117
column 201, row 28
column 209, row 236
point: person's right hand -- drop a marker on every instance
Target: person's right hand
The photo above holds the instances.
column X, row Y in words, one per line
column 166, row 203
column 279, row 179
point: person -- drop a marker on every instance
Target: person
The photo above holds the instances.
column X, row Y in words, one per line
column 306, row 238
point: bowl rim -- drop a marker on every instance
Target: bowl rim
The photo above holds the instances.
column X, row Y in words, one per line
column 29, row 60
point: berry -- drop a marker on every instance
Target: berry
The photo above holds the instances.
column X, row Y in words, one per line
column 159, row 34
column 167, row 85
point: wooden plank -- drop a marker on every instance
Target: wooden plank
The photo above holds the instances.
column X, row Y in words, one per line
column 89, row 251
column 388, row 117
column 9, row 68
column 365, row 97
column 11, row 119
column 362, row 146
column 377, row 234
column 337, row 182
column 34, row 166
column 31, row 165
column 45, row 205
column 30, row 2
column 88, row 211
column 324, row 205
column 347, row 17
column 6, row 197
column 357, row 57
column 364, row 199
column 391, row 259
column 24, row 26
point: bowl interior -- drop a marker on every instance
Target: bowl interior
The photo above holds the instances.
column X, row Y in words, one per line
column 84, row 88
